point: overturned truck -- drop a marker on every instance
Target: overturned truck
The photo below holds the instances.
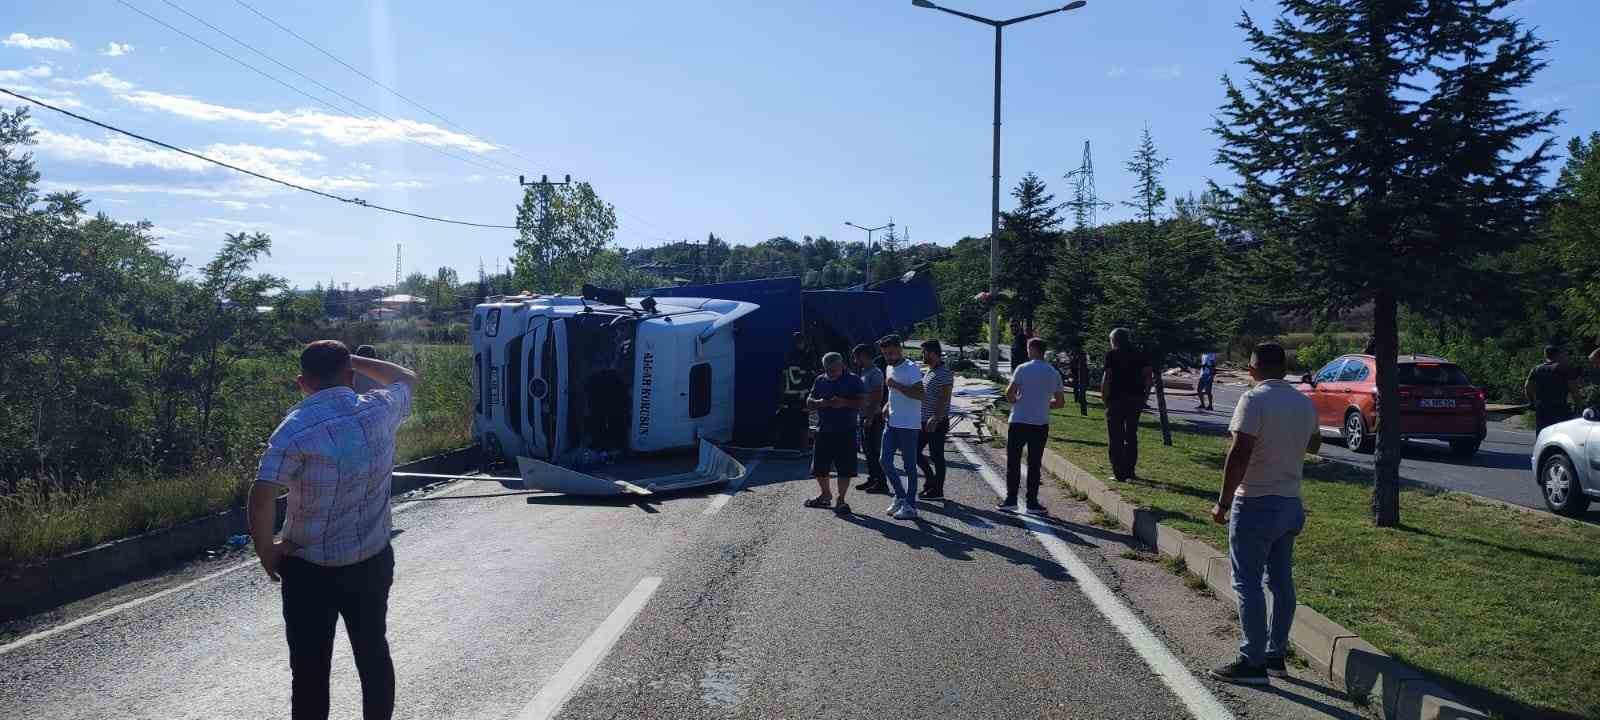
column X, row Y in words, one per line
column 568, row 385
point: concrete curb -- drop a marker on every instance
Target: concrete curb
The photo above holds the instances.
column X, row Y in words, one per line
column 57, row 581
column 1350, row 663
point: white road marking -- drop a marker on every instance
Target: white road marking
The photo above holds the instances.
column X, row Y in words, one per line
column 734, row 487
column 571, row 675
column 119, row 608
column 1201, row 703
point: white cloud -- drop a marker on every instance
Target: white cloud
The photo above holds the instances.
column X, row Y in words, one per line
column 102, row 79
column 54, row 96
column 116, row 49
column 37, row 71
column 408, row 184
column 282, row 163
column 474, row 178
column 208, row 191
column 233, row 204
column 23, row 40
column 339, row 129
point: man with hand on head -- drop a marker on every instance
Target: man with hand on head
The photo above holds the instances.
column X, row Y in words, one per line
column 333, row 453
column 1274, row 426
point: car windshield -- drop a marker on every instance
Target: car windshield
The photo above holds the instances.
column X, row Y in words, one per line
column 1432, row 374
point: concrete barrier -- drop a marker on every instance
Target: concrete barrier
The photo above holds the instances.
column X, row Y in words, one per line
column 34, row 588
column 1350, row 663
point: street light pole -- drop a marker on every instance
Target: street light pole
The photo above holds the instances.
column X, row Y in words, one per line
column 867, row 271
column 994, row 190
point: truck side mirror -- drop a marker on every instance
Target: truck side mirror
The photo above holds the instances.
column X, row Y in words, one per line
column 1591, row 414
column 1307, row 379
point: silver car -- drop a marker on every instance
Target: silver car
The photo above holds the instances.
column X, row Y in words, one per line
column 1566, row 463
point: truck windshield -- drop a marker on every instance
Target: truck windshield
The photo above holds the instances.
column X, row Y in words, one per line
column 600, row 349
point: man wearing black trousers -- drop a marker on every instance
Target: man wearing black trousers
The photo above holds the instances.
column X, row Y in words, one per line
column 1124, row 385
column 1034, row 391
column 937, row 385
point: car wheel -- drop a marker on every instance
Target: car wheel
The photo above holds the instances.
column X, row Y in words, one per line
column 1559, row 483
column 1356, row 436
column 1465, row 448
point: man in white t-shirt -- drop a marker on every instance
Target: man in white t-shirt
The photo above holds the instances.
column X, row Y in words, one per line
column 904, row 409
column 1274, row 426
column 1034, row 391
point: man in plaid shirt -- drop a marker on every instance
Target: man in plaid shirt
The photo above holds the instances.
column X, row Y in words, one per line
column 333, row 453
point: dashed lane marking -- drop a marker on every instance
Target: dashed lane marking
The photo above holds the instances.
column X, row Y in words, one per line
column 588, row 656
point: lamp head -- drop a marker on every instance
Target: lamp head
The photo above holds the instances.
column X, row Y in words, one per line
column 1075, row 5
column 923, row 4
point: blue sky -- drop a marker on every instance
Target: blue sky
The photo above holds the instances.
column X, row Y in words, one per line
column 747, row 119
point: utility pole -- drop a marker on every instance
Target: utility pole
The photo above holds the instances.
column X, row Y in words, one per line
column 867, row 271
column 349, row 306
column 994, row 194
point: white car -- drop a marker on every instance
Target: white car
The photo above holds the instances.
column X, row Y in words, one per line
column 1566, row 463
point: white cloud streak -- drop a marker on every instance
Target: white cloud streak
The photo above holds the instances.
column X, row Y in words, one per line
column 339, row 129
column 102, row 79
column 116, row 49
column 27, row 73
column 23, row 40
column 282, row 163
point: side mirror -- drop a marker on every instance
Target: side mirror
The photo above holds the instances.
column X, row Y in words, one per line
column 1591, row 414
column 1306, row 379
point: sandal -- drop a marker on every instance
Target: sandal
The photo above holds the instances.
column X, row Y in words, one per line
column 820, row 501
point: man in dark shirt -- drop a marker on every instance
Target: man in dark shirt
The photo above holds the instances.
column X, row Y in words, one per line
column 1079, row 370
column 836, row 396
column 1550, row 386
column 1019, row 344
column 1124, row 385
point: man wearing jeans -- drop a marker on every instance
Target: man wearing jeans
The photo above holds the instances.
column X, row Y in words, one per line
column 1034, row 391
column 871, row 419
column 1273, row 427
column 904, row 408
column 333, row 453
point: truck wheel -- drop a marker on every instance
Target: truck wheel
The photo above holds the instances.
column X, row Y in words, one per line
column 1465, row 448
column 1559, row 483
column 1356, row 436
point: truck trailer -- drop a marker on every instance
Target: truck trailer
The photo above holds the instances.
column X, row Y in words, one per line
column 569, row 386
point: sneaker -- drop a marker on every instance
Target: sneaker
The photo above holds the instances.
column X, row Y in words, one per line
column 1240, row 672
column 1036, row 509
column 894, row 508
column 1008, row 505
column 1276, row 667
column 865, row 485
column 907, row 512
column 842, row 507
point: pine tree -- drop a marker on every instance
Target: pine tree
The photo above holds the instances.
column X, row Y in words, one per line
column 1071, row 293
column 1030, row 236
column 1380, row 150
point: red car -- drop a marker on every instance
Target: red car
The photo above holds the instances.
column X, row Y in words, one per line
column 1437, row 402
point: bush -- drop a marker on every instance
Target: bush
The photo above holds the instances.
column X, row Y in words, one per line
column 963, row 364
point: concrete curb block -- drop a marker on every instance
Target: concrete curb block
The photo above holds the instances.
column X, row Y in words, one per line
column 1350, row 663
column 57, row 581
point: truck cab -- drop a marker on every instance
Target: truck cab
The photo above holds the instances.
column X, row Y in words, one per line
column 572, row 381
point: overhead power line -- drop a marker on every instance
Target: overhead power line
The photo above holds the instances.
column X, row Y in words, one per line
column 370, row 79
column 252, row 173
column 292, row 88
column 304, row 76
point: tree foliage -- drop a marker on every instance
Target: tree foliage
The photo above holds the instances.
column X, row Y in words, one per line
column 1030, row 235
column 561, row 229
column 1575, row 227
column 1379, row 147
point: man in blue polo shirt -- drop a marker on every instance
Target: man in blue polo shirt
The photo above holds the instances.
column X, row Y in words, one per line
column 836, row 396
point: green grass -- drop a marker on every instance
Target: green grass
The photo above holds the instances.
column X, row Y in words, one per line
column 1495, row 598
column 39, row 522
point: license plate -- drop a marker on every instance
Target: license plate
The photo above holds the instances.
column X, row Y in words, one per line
column 494, row 386
column 1436, row 403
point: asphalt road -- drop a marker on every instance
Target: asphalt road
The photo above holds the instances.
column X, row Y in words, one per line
column 720, row 605
column 1500, row 470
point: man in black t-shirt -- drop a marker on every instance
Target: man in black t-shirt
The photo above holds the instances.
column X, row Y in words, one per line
column 1550, row 386
column 1124, row 385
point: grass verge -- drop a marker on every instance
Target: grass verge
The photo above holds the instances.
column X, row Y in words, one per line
column 39, row 523
column 1487, row 596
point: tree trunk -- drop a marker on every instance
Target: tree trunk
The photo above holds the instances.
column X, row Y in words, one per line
column 1161, row 406
column 1386, row 487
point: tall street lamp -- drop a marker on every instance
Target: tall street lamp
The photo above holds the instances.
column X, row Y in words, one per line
column 870, row 231
column 994, row 206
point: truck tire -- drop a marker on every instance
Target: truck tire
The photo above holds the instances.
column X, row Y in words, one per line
column 1465, row 448
column 1355, row 433
column 1558, row 482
